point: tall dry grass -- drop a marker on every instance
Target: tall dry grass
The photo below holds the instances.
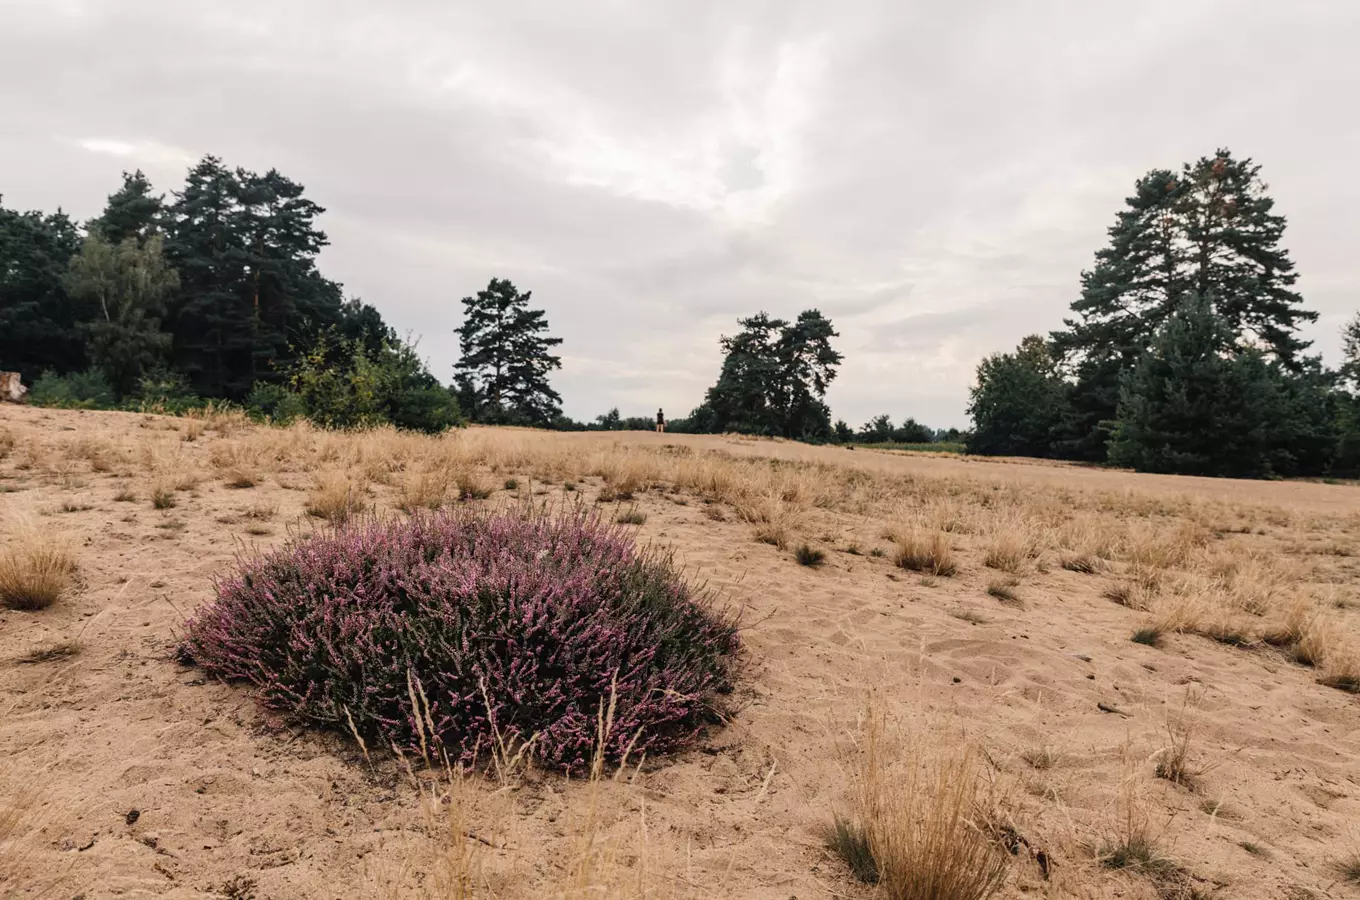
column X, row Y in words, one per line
column 917, row 806
column 37, row 566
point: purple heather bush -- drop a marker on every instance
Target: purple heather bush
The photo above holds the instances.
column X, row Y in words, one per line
column 514, row 623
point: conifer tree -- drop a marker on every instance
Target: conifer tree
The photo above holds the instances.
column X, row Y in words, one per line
column 774, row 377
column 1191, row 407
column 502, row 374
column 132, row 211
column 37, row 320
column 1209, row 230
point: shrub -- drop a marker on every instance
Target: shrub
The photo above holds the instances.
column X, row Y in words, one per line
column 473, row 627
column 807, row 555
column 76, row 390
column 35, row 568
column 165, row 391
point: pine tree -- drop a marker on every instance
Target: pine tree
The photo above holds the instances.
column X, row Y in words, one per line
column 245, row 247
column 130, row 285
column 1212, row 231
column 774, row 377
column 807, row 365
column 503, row 371
column 37, row 319
column 1191, row 407
column 131, row 212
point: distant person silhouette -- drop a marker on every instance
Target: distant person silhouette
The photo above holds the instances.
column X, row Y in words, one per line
column 660, row 422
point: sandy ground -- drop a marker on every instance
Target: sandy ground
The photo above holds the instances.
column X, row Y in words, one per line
column 222, row 793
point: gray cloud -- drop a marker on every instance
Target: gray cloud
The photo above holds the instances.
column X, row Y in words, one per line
column 933, row 177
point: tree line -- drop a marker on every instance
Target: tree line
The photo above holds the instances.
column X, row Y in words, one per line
column 214, row 295
column 1182, row 354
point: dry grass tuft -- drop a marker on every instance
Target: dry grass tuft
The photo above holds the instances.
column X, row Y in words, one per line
column 1013, row 545
column 1149, row 635
column 335, row 497
column 1084, row 563
column 52, row 652
column 162, row 495
column 424, row 489
column 1173, row 761
column 850, row 841
column 807, row 555
column 632, row 517
column 36, row 567
column 918, row 806
column 923, row 551
column 1348, row 868
column 472, row 486
column 7, row 442
column 1131, row 843
column 1003, row 589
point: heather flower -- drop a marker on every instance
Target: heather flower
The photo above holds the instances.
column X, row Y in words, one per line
column 463, row 624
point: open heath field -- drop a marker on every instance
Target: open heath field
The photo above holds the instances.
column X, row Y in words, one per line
column 955, row 678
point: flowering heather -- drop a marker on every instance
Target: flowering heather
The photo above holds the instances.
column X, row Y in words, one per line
column 510, row 622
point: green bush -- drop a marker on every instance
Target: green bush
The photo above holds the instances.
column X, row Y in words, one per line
column 275, row 403
column 344, row 384
column 75, row 390
column 164, row 391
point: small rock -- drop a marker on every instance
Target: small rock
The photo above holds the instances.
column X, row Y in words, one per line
column 132, row 816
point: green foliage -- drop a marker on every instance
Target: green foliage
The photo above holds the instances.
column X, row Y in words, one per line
column 74, row 390
column 842, row 433
column 1019, row 404
column 129, row 283
column 37, row 320
column 1209, row 230
column 132, row 212
column 1194, row 406
column 245, row 247
column 340, row 383
column 773, row 380
column 165, row 391
column 502, row 376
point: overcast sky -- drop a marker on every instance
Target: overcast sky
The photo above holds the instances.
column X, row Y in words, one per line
column 932, row 176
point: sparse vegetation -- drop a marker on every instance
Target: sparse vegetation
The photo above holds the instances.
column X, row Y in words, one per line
column 921, row 550
column 1173, row 760
column 36, row 567
column 1003, row 589
column 632, row 517
column 1149, row 635
column 916, row 802
column 807, row 555
column 335, row 497
column 49, row 652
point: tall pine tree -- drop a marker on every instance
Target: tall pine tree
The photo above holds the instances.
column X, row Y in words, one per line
column 503, row 372
column 774, row 379
column 1211, row 231
column 245, row 247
